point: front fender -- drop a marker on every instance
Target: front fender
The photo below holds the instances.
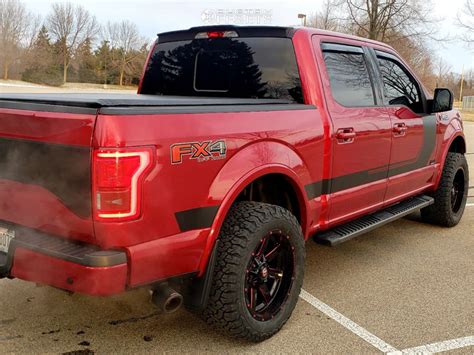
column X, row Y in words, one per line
column 250, row 163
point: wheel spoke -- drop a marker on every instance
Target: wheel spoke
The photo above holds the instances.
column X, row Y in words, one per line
column 272, row 253
column 262, row 247
column 252, row 294
column 265, row 293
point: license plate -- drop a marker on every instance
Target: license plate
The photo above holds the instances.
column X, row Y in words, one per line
column 6, row 237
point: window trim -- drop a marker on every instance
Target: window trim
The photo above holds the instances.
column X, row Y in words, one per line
column 340, row 47
column 332, row 47
column 195, row 77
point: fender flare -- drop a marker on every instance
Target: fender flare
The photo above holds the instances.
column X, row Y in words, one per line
column 293, row 169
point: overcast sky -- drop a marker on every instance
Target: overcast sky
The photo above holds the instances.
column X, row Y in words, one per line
column 165, row 15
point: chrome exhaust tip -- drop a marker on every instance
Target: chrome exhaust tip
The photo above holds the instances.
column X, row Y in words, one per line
column 167, row 299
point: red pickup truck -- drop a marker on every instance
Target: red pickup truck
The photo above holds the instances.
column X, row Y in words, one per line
column 241, row 144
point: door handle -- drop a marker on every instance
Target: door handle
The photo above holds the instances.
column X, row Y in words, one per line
column 345, row 135
column 400, row 129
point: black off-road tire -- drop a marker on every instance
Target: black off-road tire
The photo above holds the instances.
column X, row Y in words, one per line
column 245, row 226
column 442, row 212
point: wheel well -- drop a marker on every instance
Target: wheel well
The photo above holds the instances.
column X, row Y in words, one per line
column 275, row 189
column 458, row 146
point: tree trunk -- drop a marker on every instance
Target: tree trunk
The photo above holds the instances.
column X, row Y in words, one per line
column 65, row 70
column 122, row 70
column 5, row 70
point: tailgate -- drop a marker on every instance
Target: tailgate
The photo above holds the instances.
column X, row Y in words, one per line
column 45, row 169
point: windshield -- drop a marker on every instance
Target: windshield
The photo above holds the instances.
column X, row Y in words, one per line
column 225, row 67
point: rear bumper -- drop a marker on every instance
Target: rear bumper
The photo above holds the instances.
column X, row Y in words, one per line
column 82, row 268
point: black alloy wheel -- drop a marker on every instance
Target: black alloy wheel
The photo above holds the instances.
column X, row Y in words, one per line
column 270, row 274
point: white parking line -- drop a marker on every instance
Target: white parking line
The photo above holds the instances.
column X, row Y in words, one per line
column 347, row 323
column 470, row 205
column 379, row 343
column 439, row 347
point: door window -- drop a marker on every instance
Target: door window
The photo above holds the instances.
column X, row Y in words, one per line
column 399, row 87
column 349, row 77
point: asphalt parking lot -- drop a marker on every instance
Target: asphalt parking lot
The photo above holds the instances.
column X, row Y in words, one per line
column 404, row 287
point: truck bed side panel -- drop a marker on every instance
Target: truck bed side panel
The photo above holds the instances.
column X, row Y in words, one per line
column 180, row 199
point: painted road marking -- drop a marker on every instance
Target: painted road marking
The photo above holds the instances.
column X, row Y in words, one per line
column 347, row 323
column 376, row 341
column 439, row 347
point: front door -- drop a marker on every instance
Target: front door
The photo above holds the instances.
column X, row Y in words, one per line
column 414, row 133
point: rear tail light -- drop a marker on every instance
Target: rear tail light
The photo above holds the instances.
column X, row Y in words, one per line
column 217, row 34
column 118, row 181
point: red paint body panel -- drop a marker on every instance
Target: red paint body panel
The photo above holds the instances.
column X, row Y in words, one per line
column 37, row 208
column 253, row 140
column 300, row 145
column 166, row 257
column 50, row 127
column 98, row 281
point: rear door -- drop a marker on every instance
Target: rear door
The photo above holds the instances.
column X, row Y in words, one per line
column 413, row 132
column 361, row 135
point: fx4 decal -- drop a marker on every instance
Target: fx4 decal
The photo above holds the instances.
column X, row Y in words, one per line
column 201, row 151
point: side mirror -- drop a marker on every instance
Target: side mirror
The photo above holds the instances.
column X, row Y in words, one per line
column 442, row 101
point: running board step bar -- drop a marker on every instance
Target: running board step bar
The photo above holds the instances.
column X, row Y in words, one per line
column 367, row 223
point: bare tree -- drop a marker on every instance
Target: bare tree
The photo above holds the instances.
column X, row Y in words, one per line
column 18, row 28
column 125, row 41
column 390, row 20
column 326, row 18
column 441, row 70
column 466, row 21
column 70, row 26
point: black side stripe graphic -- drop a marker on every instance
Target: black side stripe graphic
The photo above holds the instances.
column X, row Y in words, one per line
column 196, row 218
column 429, row 143
column 318, row 188
column 63, row 170
column 359, row 178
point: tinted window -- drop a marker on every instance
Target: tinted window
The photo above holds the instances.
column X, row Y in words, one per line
column 399, row 87
column 349, row 77
column 227, row 67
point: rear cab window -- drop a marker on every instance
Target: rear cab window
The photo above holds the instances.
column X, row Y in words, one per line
column 254, row 67
column 349, row 77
